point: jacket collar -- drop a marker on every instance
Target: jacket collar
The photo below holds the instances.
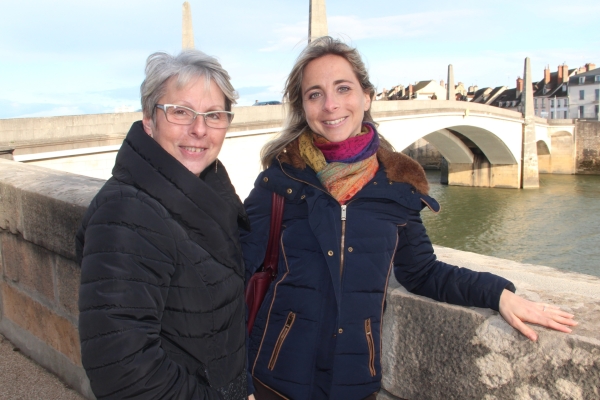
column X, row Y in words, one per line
column 398, row 167
column 207, row 207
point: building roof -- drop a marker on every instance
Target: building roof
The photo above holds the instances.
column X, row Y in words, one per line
column 508, row 95
column 589, row 77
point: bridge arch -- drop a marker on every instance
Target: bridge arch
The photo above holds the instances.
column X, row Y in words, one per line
column 499, row 139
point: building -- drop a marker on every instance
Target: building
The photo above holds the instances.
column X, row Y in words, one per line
column 509, row 99
column 551, row 95
column 584, row 93
column 422, row 90
column 487, row 95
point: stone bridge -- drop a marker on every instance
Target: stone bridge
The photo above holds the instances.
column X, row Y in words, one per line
column 483, row 145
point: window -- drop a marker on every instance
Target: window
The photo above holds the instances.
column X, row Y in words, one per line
column 597, row 78
column 581, row 80
column 581, row 94
column 581, row 112
column 566, row 102
column 565, row 115
column 596, row 111
column 535, row 102
column 597, row 91
column 551, row 103
column 552, row 115
column 499, row 104
column 564, row 88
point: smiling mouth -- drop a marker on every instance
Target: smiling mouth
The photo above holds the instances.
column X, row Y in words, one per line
column 193, row 149
column 335, row 121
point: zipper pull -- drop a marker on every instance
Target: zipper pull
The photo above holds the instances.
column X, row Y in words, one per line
column 344, row 212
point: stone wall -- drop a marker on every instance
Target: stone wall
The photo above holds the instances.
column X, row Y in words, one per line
column 430, row 350
column 587, row 143
column 40, row 210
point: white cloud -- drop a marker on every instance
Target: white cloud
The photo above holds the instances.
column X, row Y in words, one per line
column 288, row 36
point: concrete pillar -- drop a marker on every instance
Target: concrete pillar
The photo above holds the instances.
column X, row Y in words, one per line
column 187, row 37
column 450, row 94
column 530, row 178
column 317, row 20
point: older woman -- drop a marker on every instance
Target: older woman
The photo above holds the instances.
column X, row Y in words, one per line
column 351, row 215
column 161, row 303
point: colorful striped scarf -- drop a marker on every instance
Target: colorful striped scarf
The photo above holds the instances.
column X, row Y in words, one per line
column 342, row 167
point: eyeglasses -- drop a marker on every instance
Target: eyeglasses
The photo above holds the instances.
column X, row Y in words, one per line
column 181, row 115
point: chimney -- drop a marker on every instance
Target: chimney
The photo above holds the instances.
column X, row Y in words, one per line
column 402, row 91
column 475, row 88
column 589, row 67
column 385, row 94
column 410, row 91
column 547, row 75
column 520, row 86
column 563, row 74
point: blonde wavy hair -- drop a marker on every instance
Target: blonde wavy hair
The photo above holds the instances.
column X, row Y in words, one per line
column 295, row 120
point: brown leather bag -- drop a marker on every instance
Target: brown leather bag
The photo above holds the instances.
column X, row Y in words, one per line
column 261, row 280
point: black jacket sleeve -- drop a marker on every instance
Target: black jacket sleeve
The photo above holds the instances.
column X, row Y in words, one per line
column 128, row 259
column 418, row 270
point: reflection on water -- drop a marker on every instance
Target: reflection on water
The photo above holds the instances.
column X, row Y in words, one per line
column 557, row 225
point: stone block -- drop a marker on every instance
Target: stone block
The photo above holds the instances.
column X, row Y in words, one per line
column 50, row 204
column 10, row 208
column 28, row 266
column 51, row 223
column 54, row 330
column 68, row 278
column 505, row 176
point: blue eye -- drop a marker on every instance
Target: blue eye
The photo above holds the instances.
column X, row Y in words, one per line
column 314, row 95
column 344, row 88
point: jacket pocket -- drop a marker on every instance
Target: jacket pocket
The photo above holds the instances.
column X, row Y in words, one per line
column 371, row 345
column 282, row 335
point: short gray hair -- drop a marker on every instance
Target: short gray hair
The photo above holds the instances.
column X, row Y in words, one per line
column 189, row 64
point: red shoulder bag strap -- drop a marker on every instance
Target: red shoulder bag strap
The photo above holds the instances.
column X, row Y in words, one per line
column 272, row 254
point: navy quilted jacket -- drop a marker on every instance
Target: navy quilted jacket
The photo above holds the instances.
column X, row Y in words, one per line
column 318, row 333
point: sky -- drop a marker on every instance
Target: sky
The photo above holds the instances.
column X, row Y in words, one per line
column 68, row 57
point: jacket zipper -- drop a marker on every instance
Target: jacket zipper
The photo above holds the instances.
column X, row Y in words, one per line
column 344, row 206
column 284, row 332
column 343, row 240
column 371, row 345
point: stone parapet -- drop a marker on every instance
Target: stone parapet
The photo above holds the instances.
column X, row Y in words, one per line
column 40, row 210
column 430, row 350
column 434, row 350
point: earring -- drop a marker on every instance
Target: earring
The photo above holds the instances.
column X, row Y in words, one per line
column 216, row 165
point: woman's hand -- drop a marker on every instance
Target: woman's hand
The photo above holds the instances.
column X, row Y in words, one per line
column 251, row 397
column 517, row 310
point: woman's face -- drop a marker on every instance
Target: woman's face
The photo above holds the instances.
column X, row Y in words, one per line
column 196, row 146
column 333, row 100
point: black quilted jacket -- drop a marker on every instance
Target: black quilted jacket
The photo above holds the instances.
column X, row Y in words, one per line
column 161, row 302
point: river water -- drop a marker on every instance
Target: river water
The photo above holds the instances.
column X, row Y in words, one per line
column 557, row 225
